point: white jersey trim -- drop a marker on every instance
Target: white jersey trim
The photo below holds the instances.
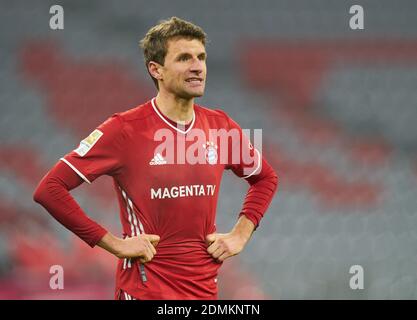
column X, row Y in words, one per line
column 170, row 124
column 76, row 170
column 134, row 228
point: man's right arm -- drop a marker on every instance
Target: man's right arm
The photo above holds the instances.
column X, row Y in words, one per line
column 142, row 247
column 53, row 194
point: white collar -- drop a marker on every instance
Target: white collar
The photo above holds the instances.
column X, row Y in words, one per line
column 170, row 124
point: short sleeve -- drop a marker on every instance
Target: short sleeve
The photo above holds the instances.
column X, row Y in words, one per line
column 243, row 159
column 100, row 152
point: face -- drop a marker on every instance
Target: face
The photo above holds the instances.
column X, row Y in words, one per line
column 184, row 71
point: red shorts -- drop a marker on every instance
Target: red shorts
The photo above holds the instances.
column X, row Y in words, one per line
column 123, row 295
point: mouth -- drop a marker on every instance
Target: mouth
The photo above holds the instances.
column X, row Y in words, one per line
column 194, row 80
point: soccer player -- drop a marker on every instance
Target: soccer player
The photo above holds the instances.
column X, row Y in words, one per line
column 166, row 166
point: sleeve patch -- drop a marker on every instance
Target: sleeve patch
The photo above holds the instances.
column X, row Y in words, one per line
column 88, row 143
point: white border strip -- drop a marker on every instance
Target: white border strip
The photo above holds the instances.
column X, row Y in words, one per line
column 168, row 123
column 135, row 230
column 129, row 263
column 132, row 227
column 134, row 218
column 75, row 169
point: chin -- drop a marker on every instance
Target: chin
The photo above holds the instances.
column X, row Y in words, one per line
column 192, row 94
column 198, row 93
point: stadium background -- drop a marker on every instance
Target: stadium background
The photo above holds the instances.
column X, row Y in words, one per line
column 338, row 112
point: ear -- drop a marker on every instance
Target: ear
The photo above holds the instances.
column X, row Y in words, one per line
column 155, row 70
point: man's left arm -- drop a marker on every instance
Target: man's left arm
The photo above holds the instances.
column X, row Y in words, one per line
column 258, row 198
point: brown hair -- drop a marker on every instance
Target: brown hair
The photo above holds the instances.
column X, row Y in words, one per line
column 155, row 42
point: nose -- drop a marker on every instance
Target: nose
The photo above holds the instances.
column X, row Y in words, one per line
column 197, row 66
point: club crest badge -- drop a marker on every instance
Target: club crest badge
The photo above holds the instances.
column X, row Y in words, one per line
column 210, row 152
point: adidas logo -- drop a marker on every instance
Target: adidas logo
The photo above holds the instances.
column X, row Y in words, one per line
column 157, row 160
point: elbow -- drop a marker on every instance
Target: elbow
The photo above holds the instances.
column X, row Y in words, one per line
column 274, row 179
column 38, row 194
column 41, row 192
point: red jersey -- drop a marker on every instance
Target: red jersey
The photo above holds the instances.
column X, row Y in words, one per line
column 176, row 201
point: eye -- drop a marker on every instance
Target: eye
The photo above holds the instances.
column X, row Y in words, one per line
column 183, row 58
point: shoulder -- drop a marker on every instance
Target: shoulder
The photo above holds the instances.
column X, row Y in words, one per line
column 139, row 112
column 118, row 124
column 217, row 113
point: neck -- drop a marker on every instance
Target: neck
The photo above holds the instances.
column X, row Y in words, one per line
column 175, row 108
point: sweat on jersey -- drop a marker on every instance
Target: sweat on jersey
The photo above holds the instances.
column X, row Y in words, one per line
column 163, row 193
